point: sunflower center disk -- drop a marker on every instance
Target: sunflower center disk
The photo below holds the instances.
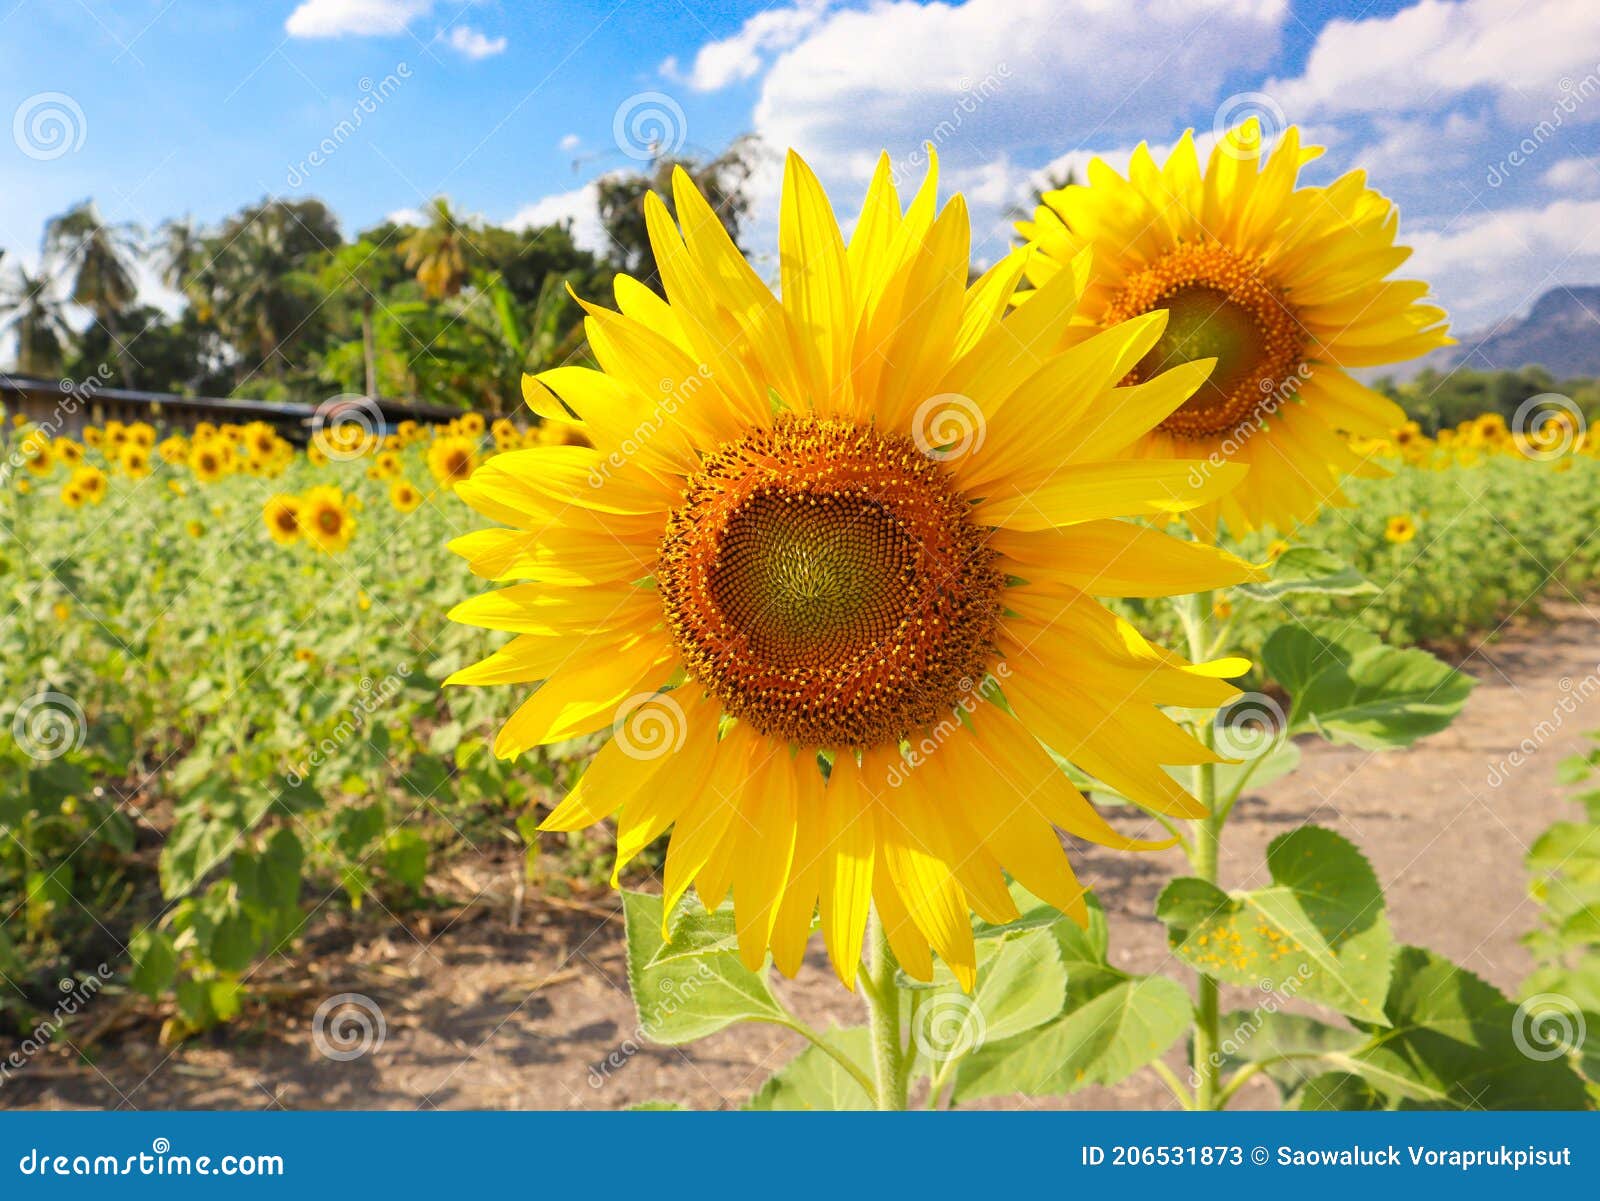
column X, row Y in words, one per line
column 825, row 583
column 1218, row 307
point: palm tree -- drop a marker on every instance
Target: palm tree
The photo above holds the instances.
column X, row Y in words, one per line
column 101, row 258
column 362, row 270
column 439, row 251
column 28, row 307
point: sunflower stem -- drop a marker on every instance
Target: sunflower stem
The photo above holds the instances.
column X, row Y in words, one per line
column 883, row 1005
column 1206, row 853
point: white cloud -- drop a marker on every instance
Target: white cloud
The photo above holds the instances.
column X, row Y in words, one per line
column 1575, row 176
column 473, row 43
column 1529, row 52
column 363, row 18
column 407, row 216
column 995, row 75
column 1428, row 146
column 570, row 142
column 580, row 206
column 1501, row 262
column 741, row 57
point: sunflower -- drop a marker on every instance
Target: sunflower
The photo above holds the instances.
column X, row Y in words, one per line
column 404, row 496
column 92, row 482
column 815, row 560
column 452, row 458
column 325, row 519
column 1400, row 529
column 69, row 452
column 281, row 515
column 38, row 454
column 1285, row 288
column 209, row 461
column 72, row 496
column 194, row 528
column 134, row 461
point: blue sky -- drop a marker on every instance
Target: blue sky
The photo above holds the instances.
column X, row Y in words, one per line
column 1481, row 117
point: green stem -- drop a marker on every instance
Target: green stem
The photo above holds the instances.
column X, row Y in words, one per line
column 883, row 1005
column 1206, row 852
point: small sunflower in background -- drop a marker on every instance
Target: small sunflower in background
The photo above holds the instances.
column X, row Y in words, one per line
column 38, row 455
column 194, row 528
column 850, row 532
column 452, row 458
column 72, row 496
column 404, row 495
column 1285, row 288
column 134, row 461
column 281, row 516
column 92, row 482
column 1400, row 529
column 325, row 519
column 209, row 461
column 70, row 453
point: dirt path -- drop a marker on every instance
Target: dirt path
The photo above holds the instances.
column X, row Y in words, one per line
column 480, row 1015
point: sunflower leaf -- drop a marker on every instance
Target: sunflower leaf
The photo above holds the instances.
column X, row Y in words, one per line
column 682, row 999
column 1456, row 1042
column 1318, row 931
column 1352, row 689
column 814, row 1080
column 1308, row 570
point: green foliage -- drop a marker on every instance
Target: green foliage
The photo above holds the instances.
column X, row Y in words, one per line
column 1352, row 689
column 1318, row 930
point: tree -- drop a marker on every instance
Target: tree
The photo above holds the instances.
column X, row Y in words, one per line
column 360, row 272
column 30, row 310
column 439, row 252
column 621, row 202
column 101, row 259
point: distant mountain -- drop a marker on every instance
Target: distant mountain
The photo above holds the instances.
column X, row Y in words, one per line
column 1561, row 333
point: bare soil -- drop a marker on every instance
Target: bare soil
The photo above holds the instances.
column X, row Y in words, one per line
column 513, row 1002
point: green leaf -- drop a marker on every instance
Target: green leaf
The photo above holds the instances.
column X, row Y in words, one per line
column 405, row 858
column 155, row 962
column 1456, row 1042
column 682, row 999
column 814, row 1080
column 1341, row 1091
column 1352, row 689
column 1101, row 1038
column 1317, row 932
column 1290, row 1046
column 1022, row 984
column 1308, row 570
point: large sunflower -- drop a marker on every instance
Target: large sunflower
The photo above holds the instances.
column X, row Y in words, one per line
column 1285, row 287
column 825, row 575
